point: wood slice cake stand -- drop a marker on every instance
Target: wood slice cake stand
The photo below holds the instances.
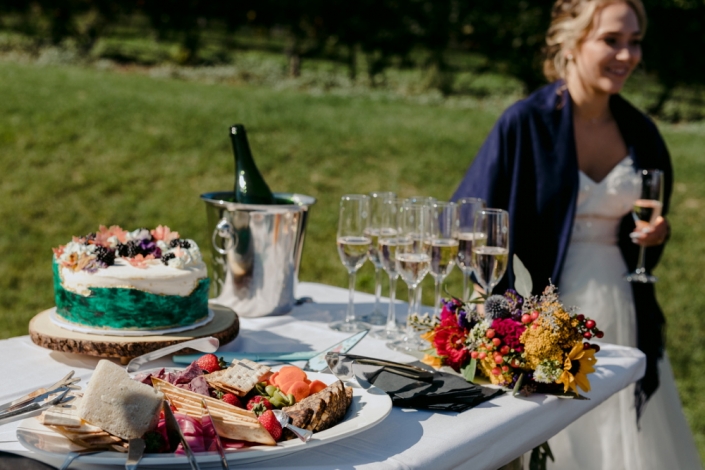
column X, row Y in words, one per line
column 224, row 326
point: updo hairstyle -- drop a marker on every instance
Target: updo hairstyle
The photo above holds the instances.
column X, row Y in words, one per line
column 571, row 21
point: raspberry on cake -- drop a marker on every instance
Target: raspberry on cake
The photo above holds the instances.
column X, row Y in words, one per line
column 143, row 279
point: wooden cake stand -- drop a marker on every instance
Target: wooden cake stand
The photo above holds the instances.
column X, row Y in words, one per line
column 224, row 326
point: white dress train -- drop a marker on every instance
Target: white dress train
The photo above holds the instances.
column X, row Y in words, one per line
column 607, row 438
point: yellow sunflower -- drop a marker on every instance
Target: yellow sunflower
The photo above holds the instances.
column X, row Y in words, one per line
column 577, row 366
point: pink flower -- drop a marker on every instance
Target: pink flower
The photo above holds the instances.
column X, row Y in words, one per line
column 140, row 261
column 509, row 331
column 448, row 317
column 104, row 233
column 163, row 232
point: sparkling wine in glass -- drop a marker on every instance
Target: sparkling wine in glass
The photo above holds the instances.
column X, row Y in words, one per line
column 442, row 245
column 387, row 249
column 467, row 208
column 490, row 252
column 413, row 262
column 381, row 225
column 353, row 245
column 419, row 200
column 645, row 211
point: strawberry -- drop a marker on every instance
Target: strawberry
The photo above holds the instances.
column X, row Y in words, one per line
column 259, row 404
column 270, row 423
column 209, row 363
column 231, row 399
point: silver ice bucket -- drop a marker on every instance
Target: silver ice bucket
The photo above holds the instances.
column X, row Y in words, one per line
column 256, row 251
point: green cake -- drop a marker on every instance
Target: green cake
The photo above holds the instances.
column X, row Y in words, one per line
column 140, row 280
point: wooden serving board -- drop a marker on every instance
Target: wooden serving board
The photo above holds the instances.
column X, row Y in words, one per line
column 224, row 326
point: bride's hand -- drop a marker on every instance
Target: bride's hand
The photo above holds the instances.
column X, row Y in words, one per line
column 651, row 235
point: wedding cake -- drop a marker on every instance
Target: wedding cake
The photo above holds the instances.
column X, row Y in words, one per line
column 138, row 280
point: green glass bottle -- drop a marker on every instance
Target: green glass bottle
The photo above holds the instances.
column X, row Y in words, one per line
column 250, row 187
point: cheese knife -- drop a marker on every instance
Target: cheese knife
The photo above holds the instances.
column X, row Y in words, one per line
column 173, row 432
column 134, row 453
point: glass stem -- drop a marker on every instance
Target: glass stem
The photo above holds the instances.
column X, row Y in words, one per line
column 378, row 288
column 640, row 268
column 466, row 286
column 412, row 309
column 437, row 302
column 392, row 315
column 350, row 315
column 417, row 300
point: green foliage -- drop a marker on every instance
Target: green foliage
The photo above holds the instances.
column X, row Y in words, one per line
column 508, row 34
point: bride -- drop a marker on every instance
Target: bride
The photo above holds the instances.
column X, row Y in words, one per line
column 563, row 163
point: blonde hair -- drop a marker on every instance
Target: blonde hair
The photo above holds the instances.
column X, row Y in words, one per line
column 571, row 21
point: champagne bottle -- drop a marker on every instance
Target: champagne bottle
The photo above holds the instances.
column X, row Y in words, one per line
column 250, row 187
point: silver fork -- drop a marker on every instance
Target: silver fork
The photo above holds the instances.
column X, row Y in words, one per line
column 283, row 418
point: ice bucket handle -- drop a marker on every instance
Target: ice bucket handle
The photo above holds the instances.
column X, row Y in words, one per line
column 225, row 231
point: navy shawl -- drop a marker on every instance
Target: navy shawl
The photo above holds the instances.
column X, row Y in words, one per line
column 528, row 166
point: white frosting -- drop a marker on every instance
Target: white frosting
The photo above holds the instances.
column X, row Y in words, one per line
column 156, row 278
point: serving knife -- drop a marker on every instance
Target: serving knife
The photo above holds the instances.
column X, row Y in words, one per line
column 173, row 432
column 206, row 415
column 316, row 359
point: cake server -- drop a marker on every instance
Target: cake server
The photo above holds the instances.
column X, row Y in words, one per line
column 206, row 414
column 173, row 432
column 316, row 359
column 208, row 344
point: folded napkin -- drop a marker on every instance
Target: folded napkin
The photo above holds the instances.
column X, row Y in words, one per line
column 441, row 392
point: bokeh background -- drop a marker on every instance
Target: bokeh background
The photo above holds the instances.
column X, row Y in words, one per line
column 116, row 112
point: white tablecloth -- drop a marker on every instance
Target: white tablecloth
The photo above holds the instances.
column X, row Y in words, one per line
column 484, row 437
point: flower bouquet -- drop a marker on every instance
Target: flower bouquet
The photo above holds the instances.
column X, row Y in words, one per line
column 528, row 343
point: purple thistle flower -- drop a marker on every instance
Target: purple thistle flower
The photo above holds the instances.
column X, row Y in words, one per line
column 516, row 302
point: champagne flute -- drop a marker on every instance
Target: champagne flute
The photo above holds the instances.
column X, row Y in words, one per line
column 379, row 226
column 423, row 200
column 467, row 208
column 387, row 247
column 442, row 245
column 413, row 262
column 490, row 252
column 645, row 212
column 353, row 245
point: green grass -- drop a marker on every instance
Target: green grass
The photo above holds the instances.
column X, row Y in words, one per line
column 80, row 147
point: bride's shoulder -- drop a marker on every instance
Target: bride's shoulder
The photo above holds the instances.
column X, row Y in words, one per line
column 539, row 106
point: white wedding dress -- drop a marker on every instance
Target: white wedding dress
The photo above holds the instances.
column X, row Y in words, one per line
column 607, row 438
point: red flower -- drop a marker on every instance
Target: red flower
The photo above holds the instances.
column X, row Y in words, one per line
column 449, row 342
column 509, row 331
